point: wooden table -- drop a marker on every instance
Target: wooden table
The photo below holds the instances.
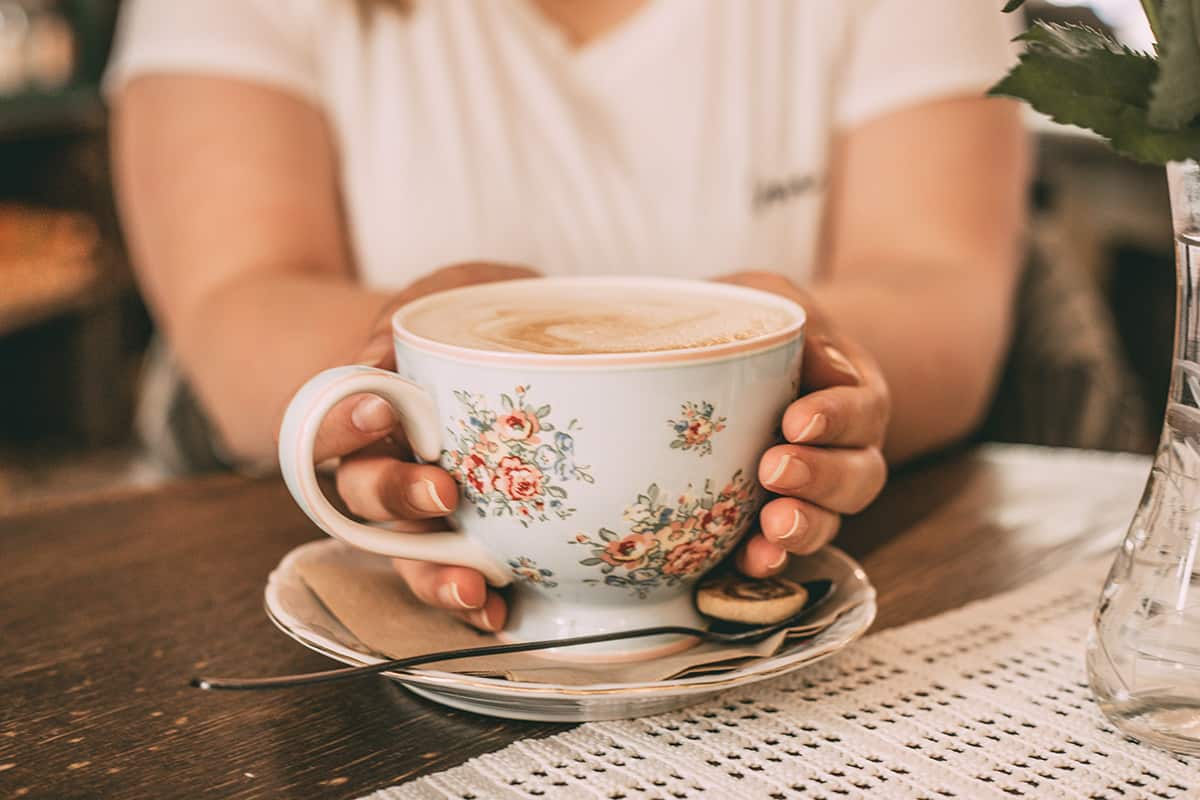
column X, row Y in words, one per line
column 109, row 606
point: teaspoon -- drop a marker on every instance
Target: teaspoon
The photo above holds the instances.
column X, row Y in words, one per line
column 721, row 632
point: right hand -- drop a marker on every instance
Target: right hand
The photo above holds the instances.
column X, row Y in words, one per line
column 376, row 475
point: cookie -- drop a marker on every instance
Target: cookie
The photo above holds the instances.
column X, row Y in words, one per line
column 735, row 598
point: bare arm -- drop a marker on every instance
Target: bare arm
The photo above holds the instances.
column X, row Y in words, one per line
column 230, row 204
column 924, row 241
column 909, row 323
column 229, row 200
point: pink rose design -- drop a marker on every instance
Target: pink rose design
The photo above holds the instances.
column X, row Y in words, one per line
column 687, row 558
column 518, row 479
column 724, row 516
column 631, row 551
column 698, row 431
column 476, row 472
column 679, row 529
column 518, row 425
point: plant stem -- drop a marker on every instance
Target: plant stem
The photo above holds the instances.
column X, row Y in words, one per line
column 1152, row 16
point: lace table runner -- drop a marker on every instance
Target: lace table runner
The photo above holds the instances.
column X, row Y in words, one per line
column 989, row 701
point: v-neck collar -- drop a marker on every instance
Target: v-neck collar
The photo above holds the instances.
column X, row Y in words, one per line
column 612, row 48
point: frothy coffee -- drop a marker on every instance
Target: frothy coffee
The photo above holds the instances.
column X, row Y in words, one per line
column 579, row 318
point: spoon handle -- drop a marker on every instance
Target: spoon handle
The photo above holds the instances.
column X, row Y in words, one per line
column 348, row 673
column 818, row 592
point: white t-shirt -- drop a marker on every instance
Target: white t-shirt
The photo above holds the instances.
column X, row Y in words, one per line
column 691, row 140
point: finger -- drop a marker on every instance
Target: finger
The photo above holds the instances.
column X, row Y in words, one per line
column 491, row 617
column 829, row 363
column 441, row 586
column 394, row 445
column 380, row 488
column 800, row 528
column 844, row 416
column 841, row 480
column 380, row 351
column 764, row 281
column 467, row 273
column 352, row 424
column 759, row 558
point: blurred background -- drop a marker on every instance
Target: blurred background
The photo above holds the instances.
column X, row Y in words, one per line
column 1088, row 365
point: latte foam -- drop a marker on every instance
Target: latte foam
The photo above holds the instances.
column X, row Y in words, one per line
column 575, row 319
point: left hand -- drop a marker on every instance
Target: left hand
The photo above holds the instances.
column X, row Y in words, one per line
column 834, row 463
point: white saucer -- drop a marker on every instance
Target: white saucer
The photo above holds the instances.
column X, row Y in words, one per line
column 293, row 607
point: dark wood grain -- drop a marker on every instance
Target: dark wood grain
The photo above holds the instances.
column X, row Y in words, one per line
column 110, row 606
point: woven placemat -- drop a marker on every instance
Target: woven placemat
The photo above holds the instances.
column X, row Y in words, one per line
column 988, row 701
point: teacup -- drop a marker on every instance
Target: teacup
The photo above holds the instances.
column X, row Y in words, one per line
column 599, row 486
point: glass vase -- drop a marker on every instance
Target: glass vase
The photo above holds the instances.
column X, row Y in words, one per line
column 1143, row 652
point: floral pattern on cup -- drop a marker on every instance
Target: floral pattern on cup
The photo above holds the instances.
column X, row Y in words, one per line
column 696, row 427
column 671, row 538
column 526, row 569
column 511, row 462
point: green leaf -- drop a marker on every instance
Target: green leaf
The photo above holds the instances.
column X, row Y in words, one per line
column 678, row 443
column 1079, row 76
column 591, row 562
column 1175, row 98
column 607, row 535
column 1013, row 5
column 542, row 411
column 507, row 402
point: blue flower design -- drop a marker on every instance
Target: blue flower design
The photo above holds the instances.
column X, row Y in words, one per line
column 526, row 569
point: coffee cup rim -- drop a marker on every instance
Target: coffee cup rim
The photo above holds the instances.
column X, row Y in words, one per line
column 716, row 352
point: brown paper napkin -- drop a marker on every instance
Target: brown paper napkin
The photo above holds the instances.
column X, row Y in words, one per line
column 363, row 592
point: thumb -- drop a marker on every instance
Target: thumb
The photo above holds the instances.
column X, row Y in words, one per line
column 361, row 419
column 352, row 424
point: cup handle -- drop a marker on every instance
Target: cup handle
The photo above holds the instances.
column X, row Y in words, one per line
column 415, row 409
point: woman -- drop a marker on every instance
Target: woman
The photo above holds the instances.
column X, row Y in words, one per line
column 290, row 172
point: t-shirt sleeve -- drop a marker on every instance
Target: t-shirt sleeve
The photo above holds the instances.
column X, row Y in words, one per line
column 269, row 42
column 904, row 52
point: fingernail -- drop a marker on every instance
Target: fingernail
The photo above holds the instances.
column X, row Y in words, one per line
column 449, row 595
column 372, row 415
column 789, row 473
column 484, row 620
column 815, row 427
column 423, row 495
column 799, row 525
column 840, row 362
column 779, row 561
